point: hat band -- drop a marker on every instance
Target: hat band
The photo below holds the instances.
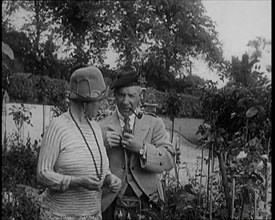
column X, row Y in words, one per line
column 95, row 95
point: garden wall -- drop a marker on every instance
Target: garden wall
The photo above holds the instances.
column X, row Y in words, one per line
column 185, row 135
column 40, row 119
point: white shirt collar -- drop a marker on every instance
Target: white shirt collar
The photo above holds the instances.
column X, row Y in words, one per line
column 121, row 119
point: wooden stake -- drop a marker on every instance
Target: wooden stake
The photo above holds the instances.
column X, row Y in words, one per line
column 266, row 175
column 201, row 177
column 233, row 198
column 211, row 185
column 255, row 205
column 208, row 174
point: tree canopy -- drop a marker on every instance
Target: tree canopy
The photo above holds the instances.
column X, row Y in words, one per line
column 156, row 36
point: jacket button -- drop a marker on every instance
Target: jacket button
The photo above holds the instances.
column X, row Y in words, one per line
column 160, row 163
column 123, row 167
column 160, row 154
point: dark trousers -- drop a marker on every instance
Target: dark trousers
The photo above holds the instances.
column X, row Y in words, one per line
column 148, row 208
column 108, row 214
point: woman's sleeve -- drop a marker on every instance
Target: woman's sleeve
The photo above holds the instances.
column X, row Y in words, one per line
column 48, row 155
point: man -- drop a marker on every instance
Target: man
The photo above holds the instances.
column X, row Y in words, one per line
column 139, row 150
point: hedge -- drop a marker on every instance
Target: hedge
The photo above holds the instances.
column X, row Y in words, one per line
column 34, row 89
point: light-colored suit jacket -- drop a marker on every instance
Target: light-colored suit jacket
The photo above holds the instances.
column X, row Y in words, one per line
column 150, row 130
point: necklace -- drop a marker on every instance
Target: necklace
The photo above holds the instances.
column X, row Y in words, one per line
column 99, row 175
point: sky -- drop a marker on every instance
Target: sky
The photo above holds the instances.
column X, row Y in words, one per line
column 238, row 21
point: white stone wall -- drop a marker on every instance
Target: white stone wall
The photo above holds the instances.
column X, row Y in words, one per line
column 190, row 161
column 40, row 119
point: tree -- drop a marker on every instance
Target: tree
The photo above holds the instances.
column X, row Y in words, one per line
column 7, row 67
column 33, row 42
column 258, row 45
column 241, row 72
column 162, row 35
column 238, row 118
column 190, row 84
column 84, row 26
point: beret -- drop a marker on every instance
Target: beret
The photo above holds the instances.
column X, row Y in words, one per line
column 125, row 79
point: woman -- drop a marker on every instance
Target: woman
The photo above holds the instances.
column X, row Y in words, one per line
column 73, row 163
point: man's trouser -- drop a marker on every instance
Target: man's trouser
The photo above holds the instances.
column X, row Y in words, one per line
column 131, row 207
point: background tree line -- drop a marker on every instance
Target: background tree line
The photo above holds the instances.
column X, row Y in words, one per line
column 156, row 37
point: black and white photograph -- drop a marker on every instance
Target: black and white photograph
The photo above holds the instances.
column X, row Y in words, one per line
column 136, row 110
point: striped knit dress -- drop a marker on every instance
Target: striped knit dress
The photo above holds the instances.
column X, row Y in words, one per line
column 63, row 154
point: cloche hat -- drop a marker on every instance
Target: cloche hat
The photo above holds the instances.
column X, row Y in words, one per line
column 87, row 84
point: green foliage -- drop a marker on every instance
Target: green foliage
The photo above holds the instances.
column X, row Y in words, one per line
column 20, row 199
column 241, row 71
column 82, row 23
column 19, row 164
column 190, row 84
column 173, row 104
column 258, row 45
column 180, row 204
column 33, row 89
column 158, row 34
column 190, row 201
column 7, row 68
column 238, row 119
column 20, row 115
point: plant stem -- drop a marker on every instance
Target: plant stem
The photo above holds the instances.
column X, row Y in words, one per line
column 266, row 174
column 172, row 136
column 201, row 177
column 233, row 198
column 225, row 183
column 208, row 174
column 211, row 184
column 255, row 205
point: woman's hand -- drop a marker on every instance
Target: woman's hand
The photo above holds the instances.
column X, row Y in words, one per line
column 112, row 182
column 87, row 182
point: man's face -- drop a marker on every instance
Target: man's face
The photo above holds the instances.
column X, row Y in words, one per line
column 126, row 98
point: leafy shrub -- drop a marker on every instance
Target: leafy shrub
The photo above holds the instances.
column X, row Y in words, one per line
column 19, row 164
column 238, row 121
column 28, row 88
column 180, row 204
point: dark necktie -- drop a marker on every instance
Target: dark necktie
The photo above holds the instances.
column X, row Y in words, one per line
column 127, row 127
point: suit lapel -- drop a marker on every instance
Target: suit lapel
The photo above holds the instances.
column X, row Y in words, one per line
column 114, row 124
column 141, row 129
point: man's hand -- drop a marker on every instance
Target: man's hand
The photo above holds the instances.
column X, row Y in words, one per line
column 113, row 139
column 112, row 182
column 130, row 143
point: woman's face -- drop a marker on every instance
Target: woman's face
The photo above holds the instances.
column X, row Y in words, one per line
column 91, row 108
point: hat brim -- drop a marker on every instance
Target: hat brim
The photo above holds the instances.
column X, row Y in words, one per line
column 77, row 96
